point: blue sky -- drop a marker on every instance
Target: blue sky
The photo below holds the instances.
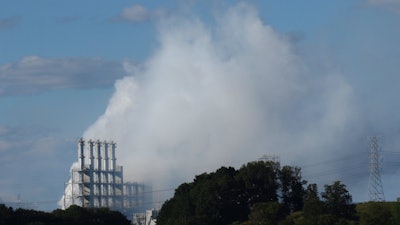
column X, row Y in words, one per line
column 59, row 61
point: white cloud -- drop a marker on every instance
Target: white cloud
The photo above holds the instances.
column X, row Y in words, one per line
column 138, row 13
column 223, row 95
column 135, row 13
column 34, row 74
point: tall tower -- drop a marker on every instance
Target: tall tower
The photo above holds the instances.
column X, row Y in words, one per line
column 375, row 189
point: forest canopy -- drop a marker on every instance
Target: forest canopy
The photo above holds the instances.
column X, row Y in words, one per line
column 261, row 192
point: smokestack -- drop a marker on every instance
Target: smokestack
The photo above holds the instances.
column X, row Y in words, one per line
column 113, row 159
column 106, row 174
column 99, row 157
column 91, row 157
column 114, row 167
column 99, row 173
column 106, row 156
column 81, row 153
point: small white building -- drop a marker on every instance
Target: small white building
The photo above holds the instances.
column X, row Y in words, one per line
column 147, row 218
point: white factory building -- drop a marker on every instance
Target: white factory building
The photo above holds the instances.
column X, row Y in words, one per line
column 96, row 181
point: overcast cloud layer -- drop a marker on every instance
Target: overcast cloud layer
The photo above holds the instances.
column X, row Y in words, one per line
column 34, row 74
column 223, row 95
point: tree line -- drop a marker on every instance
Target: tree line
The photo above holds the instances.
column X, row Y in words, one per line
column 259, row 193
column 74, row 215
column 264, row 193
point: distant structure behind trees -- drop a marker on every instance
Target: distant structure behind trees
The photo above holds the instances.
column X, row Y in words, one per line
column 147, row 218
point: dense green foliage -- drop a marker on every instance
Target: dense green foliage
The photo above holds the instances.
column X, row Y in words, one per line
column 382, row 213
column 230, row 195
column 73, row 215
column 335, row 207
column 260, row 193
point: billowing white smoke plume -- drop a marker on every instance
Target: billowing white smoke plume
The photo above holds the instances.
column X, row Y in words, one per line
column 221, row 95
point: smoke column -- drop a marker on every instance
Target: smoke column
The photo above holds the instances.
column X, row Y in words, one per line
column 221, row 95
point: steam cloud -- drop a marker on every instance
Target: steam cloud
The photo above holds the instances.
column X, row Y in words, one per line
column 223, row 94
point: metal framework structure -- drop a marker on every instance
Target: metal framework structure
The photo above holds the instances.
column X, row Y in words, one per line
column 137, row 196
column 97, row 180
column 271, row 158
column 375, row 189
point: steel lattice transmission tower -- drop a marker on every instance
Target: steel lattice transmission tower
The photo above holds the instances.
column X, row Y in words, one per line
column 375, row 189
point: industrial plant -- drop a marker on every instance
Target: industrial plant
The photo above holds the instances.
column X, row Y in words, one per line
column 96, row 181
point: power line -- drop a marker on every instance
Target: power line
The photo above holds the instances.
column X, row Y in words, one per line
column 325, row 162
column 50, row 201
column 329, row 172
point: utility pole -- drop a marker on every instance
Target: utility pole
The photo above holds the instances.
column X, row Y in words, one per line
column 375, row 189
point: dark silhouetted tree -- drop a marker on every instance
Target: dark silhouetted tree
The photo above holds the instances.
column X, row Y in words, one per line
column 221, row 197
column 312, row 205
column 266, row 213
column 259, row 180
column 292, row 188
column 338, row 201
